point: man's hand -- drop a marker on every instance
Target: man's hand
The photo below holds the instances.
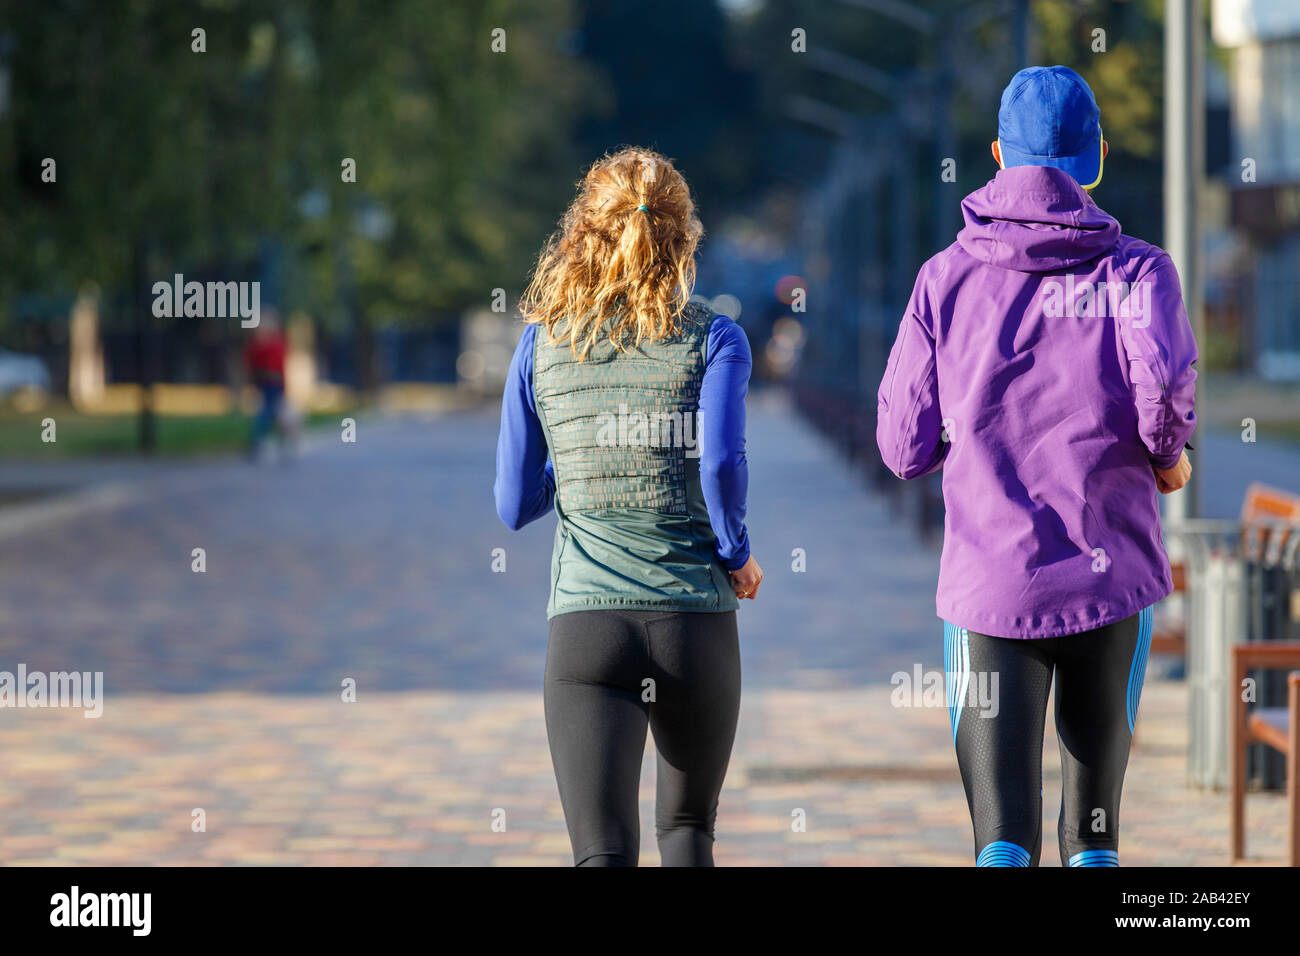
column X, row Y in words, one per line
column 1174, row 478
column 746, row 579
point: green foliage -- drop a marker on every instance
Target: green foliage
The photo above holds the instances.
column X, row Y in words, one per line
column 1128, row 78
column 200, row 156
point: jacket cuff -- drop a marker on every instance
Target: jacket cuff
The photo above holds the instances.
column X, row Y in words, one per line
column 737, row 561
column 1165, row 462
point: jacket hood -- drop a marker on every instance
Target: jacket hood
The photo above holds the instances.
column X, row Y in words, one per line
column 1035, row 219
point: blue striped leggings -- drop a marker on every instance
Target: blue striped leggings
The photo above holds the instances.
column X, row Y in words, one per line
column 997, row 704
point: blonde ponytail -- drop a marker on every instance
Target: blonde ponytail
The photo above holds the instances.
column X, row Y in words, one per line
column 623, row 258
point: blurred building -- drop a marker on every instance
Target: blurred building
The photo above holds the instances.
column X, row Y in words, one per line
column 1264, row 177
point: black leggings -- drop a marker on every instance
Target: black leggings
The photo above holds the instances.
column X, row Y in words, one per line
column 997, row 704
column 609, row 674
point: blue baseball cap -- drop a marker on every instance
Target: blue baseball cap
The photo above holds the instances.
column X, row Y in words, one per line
column 1049, row 117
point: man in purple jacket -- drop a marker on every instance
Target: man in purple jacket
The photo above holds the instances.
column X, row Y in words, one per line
column 1045, row 363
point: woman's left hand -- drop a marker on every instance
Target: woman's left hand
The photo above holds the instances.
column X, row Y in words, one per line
column 746, row 579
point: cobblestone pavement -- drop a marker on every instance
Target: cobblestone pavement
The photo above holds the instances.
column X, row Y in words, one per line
column 373, row 562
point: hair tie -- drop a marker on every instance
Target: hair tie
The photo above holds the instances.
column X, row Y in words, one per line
column 643, row 208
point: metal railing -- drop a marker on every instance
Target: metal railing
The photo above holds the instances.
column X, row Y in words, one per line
column 1241, row 578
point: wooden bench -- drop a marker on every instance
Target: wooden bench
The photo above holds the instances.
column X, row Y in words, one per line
column 1261, row 505
column 1276, row 727
column 1268, row 505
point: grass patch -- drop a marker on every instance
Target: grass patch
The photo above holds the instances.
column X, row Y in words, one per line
column 94, row 436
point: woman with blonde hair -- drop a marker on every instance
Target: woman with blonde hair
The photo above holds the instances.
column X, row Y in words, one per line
column 624, row 409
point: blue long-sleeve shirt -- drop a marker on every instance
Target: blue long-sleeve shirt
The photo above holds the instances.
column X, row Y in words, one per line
column 525, row 480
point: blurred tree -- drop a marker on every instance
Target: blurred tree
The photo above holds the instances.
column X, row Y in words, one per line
column 198, row 157
column 1127, row 77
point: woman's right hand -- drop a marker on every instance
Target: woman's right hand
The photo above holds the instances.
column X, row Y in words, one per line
column 746, row 579
column 1170, row 480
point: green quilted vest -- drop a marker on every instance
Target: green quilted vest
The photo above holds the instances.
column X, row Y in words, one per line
column 633, row 532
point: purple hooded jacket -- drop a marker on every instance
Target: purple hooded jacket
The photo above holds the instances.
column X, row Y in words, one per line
column 1045, row 363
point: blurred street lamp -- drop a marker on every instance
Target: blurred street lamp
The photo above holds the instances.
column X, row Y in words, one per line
column 854, row 70
column 1184, row 161
column 944, row 31
column 835, row 121
column 884, row 147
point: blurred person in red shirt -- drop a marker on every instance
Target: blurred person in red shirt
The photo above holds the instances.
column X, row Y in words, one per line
column 264, row 359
